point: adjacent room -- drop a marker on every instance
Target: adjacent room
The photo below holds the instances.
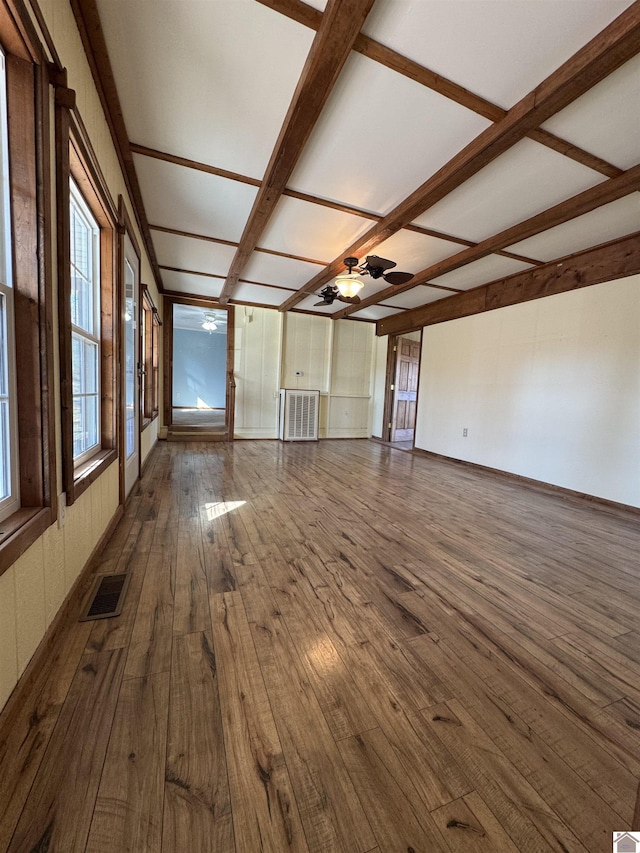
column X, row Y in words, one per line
column 319, row 426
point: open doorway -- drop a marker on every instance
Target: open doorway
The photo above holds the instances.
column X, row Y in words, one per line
column 401, row 398
column 199, row 367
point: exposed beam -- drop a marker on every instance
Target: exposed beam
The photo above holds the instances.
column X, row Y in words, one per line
column 612, row 260
column 331, row 46
column 298, row 11
column 222, row 242
column 584, row 202
column 311, row 199
column 616, row 44
column 192, row 164
column 214, row 275
column 90, row 29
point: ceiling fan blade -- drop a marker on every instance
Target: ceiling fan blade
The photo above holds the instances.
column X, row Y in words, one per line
column 322, row 302
column 380, row 263
column 352, row 300
column 398, row 277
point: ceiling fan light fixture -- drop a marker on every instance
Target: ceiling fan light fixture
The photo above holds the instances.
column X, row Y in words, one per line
column 209, row 323
column 349, row 284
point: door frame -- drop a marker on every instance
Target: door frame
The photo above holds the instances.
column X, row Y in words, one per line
column 389, row 386
column 126, row 232
column 167, row 355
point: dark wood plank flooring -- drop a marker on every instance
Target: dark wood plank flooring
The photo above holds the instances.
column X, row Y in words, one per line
column 338, row 647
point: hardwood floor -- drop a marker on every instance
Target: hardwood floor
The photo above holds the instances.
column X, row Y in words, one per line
column 337, row 647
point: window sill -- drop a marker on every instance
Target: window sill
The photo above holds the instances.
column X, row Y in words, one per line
column 20, row 531
column 149, row 420
column 87, row 473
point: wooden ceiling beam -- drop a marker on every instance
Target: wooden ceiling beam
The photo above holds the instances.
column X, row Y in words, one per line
column 341, row 23
column 290, row 193
column 612, row 260
column 303, row 14
column 231, row 243
column 612, row 47
column 584, row 202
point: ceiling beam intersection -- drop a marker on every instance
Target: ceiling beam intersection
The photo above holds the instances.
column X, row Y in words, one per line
column 584, row 202
column 616, row 44
column 341, row 23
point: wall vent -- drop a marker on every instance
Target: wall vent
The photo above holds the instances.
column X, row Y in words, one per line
column 299, row 413
column 106, row 598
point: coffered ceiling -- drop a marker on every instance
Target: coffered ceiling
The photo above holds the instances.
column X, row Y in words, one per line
column 467, row 140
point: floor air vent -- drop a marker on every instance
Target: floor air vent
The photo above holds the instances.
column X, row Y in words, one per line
column 299, row 413
column 106, row 598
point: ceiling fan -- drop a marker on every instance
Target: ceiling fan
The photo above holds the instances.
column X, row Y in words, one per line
column 377, row 268
column 346, row 285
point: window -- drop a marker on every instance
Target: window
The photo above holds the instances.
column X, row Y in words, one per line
column 85, row 326
column 149, row 327
column 9, row 486
column 87, row 292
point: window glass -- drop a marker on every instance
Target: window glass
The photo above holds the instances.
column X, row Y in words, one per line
column 9, row 497
column 85, row 337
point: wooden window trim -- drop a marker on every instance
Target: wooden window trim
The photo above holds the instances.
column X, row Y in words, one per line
column 30, row 194
column 75, row 161
column 149, row 357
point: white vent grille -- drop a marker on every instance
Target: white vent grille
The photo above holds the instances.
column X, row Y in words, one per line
column 299, row 415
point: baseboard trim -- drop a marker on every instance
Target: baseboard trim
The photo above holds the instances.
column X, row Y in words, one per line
column 73, row 600
column 537, row 485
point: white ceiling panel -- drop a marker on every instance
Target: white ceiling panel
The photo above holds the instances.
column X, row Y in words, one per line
column 480, row 272
column 606, row 120
column 522, row 182
column 181, row 198
column 263, row 295
column 363, row 132
column 420, row 295
column 199, row 285
column 221, row 72
column 310, row 230
column 273, row 269
column 414, row 252
column 608, row 222
column 500, row 50
column 189, row 253
column 375, row 312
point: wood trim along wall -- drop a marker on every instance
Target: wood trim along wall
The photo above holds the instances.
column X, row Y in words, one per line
column 612, row 260
column 584, row 202
column 537, row 485
column 612, row 47
column 92, row 36
column 68, row 612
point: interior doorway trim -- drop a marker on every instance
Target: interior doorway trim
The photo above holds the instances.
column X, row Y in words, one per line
column 393, row 349
column 201, row 433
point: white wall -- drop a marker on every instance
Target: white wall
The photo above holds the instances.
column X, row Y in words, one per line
column 302, row 351
column 548, row 389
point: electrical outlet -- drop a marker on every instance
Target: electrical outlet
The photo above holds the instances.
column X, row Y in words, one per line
column 465, row 432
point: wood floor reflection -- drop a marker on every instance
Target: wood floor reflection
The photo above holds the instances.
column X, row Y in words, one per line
column 337, row 647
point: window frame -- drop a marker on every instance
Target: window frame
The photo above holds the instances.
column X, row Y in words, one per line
column 149, row 325
column 75, row 163
column 30, row 194
column 76, row 197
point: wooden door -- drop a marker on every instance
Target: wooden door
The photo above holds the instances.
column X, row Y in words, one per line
column 405, row 390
